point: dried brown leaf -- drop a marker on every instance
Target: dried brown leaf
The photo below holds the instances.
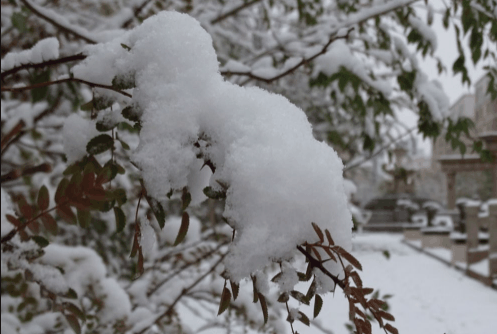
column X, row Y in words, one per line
column 319, row 232
column 391, row 329
column 328, row 236
column 225, row 301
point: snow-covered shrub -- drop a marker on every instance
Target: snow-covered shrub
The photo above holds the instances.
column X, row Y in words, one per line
column 154, row 142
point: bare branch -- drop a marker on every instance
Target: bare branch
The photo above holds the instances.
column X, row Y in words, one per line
column 49, row 83
column 18, row 173
column 136, row 12
column 381, row 149
column 233, row 11
column 320, row 266
column 17, row 132
column 183, row 293
column 38, row 12
column 48, row 63
column 292, row 69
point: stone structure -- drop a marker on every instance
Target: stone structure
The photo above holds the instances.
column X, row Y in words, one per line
column 483, row 111
column 478, row 244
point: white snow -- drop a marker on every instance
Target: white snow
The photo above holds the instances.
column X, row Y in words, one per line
column 254, row 139
column 428, row 296
column 6, row 210
column 77, row 132
column 432, row 93
column 45, row 49
column 171, row 229
column 424, row 30
column 339, row 55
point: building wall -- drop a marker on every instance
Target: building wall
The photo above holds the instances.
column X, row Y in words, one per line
column 483, row 111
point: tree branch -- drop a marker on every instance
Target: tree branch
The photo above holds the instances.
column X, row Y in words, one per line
column 358, row 18
column 12, row 233
column 17, row 131
column 136, row 12
column 233, row 11
column 49, row 83
column 185, row 266
column 17, row 173
column 320, row 266
column 38, row 11
column 381, row 149
column 292, row 69
column 49, row 63
column 183, row 293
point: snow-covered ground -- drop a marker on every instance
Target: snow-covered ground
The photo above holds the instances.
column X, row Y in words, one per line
column 428, row 296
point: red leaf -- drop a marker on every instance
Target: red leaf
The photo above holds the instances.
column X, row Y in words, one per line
column 49, row 223
column 43, row 198
column 66, row 213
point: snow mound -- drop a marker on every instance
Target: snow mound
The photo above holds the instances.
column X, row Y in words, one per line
column 277, row 177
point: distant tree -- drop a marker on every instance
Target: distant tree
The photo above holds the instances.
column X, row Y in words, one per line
column 121, row 134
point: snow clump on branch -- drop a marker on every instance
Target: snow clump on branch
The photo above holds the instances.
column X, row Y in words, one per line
column 277, row 177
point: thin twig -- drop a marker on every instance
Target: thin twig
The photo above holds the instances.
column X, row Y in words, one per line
column 185, row 266
column 48, row 63
column 393, row 141
column 320, row 266
column 57, row 24
column 17, row 131
column 136, row 12
column 183, row 293
column 12, row 233
column 304, row 61
column 233, row 11
column 50, row 83
column 18, row 173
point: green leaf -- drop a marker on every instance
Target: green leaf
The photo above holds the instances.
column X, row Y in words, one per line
column 39, row 93
column 40, row 241
column 105, row 126
column 185, row 223
column 19, row 22
column 120, row 219
column 446, row 18
column 386, row 253
column 125, row 47
column 124, row 81
column 84, row 218
column 43, row 198
column 318, row 304
column 124, row 145
column 213, row 194
column 131, row 113
column 120, row 196
column 100, row 144
column 88, row 106
column 71, row 294
column 73, row 322
column 225, row 301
